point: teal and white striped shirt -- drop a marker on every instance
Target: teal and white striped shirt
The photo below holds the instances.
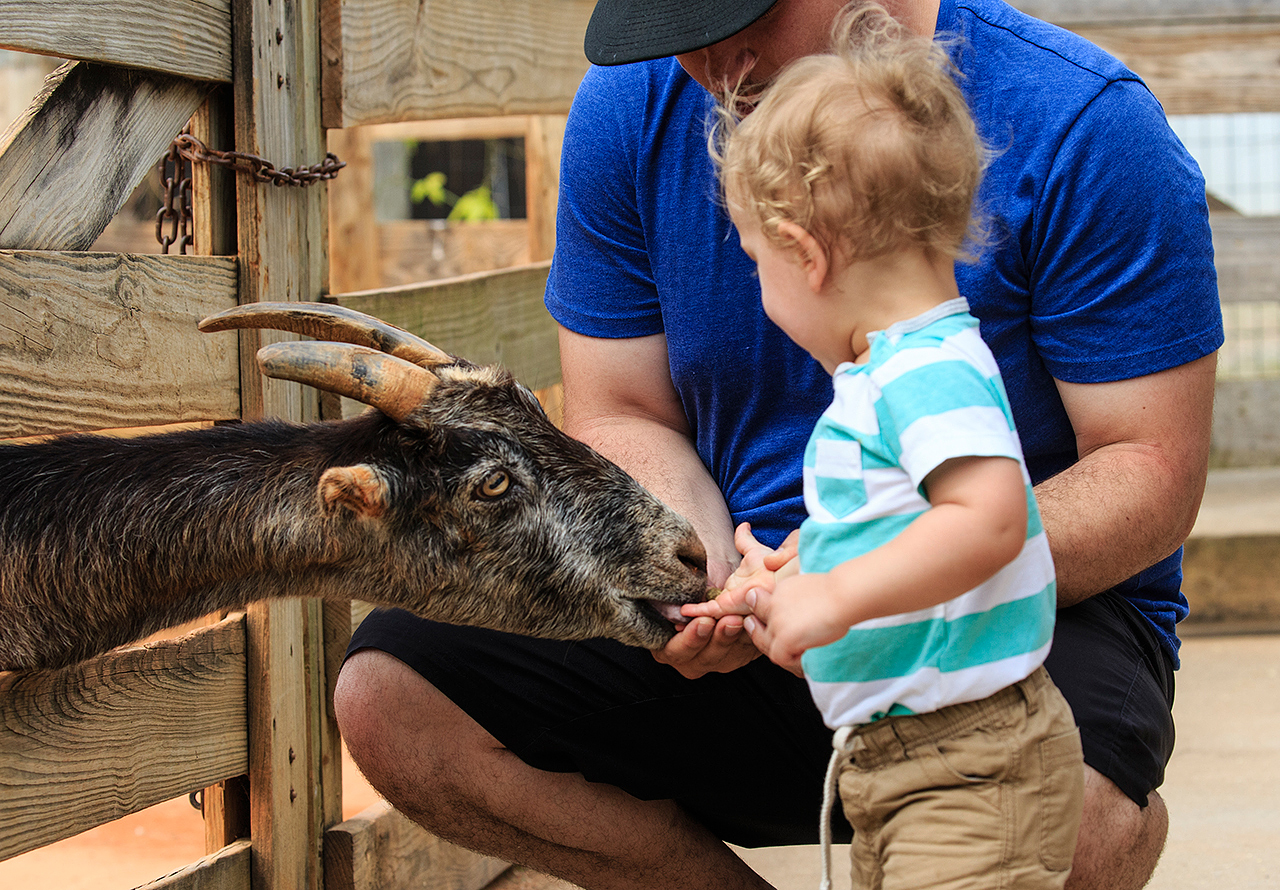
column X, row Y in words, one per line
column 929, row 392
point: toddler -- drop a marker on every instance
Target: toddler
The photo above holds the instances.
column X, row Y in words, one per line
column 921, row 604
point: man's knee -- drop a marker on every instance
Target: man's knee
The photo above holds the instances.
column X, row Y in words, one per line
column 397, row 726
column 1120, row 842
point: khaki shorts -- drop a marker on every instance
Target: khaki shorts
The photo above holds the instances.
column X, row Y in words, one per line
column 984, row 794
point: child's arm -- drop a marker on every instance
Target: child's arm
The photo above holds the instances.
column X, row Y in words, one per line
column 976, row 525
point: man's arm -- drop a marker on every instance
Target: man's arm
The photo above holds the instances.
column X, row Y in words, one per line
column 619, row 399
column 1132, row 498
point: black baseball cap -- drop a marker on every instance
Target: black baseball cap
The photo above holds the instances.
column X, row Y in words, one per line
column 623, row 31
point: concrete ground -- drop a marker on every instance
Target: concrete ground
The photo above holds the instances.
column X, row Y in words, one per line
column 1222, row 786
column 1222, row 790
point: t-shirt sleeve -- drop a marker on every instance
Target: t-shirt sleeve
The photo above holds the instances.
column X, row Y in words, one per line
column 1121, row 260
column 946, row 409
column 601, row 283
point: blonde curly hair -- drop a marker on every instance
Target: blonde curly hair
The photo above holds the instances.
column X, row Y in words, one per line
column 870, row 148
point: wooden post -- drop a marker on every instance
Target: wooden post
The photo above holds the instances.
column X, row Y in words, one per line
column 294, row 759
column 353, row 234
column 542, row 143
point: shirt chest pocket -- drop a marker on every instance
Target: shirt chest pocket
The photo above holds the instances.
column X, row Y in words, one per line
column 837, row 478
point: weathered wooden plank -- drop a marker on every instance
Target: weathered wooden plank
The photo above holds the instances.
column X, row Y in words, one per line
column 380, row 849
column 294, row 749
column 353, row 234
column 286, row 685
column 225, row 869
column 416, row 250
column 1247, row 258
column 511, row 126
column 490, row 317
column 1197, row 68
column 74, row 158
column 1232, row 579
column 191, row 38
column 397, row 60
column 1245, row 432
column 1070, row 12
column 91, row 743
column 96, row 341
column 542, row 145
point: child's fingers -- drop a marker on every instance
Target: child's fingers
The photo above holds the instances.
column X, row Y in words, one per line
column 700, row 610
column 744, row 540
column 788, row 550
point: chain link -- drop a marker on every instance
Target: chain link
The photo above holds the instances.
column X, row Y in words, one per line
column 261, row 170
column 175, row 182
column 175, row 179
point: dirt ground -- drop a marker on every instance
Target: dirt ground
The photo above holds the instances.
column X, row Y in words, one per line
column 139, row 848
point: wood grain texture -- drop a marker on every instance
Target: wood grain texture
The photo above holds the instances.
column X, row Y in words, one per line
column 285, row 669
column 542, row 146
column 1201, row 67
column 491, row 317
column 76, row 155
column 380, row 849
column 411, row 251
column 399, row 60
column 1245, row 252
column 191, row 38
column 1098, row 11
column 97, row 341
column 91, row 743
column 282, row 250
column 224, row 869
column 281, row 230
column 353, row 232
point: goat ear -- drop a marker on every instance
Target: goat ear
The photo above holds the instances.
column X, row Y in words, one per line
column 360, row 489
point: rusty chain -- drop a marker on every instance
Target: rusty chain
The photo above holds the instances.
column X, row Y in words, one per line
column 187, row 149
column 175, row 183
column 261, row 170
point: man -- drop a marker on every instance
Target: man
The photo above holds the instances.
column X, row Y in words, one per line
column 1098, row 299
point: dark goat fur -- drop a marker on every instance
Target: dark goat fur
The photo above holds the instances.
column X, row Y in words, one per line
column 105, row 540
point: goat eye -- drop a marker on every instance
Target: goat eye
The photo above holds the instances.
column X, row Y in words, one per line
column 495, row 485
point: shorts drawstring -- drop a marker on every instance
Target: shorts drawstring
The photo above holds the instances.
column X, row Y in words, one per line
column 829, row 791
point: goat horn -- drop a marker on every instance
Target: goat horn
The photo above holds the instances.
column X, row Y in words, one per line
column 328, row 321
column 392, row 385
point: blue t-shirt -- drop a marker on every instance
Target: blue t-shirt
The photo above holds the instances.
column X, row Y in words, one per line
column 1101, row 268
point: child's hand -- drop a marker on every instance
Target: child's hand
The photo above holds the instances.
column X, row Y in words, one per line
column 803, row 612
column 757, row 572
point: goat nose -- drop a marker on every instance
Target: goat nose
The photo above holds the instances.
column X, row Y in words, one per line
column 694, row 556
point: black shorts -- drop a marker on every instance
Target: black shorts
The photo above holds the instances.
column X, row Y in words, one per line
column 744, row 753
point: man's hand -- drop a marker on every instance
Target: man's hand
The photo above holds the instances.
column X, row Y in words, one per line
column 707, row 645
column 713, row 640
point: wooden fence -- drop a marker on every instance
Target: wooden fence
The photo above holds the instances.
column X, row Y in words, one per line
column 242, row 707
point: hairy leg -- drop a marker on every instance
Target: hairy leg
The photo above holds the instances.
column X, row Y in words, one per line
column 441, row 769
column 1120, row 842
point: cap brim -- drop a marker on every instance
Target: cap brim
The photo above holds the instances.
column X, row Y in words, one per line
column 625, row 31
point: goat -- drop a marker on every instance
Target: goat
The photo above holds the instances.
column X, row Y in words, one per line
column 457, row 499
